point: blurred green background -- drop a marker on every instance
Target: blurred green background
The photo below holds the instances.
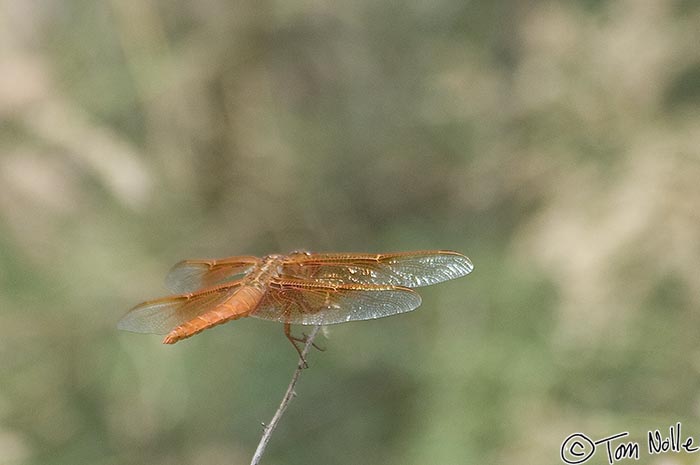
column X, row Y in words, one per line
column 554, row 143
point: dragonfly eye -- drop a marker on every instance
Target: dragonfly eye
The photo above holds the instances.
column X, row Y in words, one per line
column 300, row 252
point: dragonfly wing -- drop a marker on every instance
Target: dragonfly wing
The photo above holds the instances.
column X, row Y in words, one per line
column 304, row 302
column 162, row 315
column 407, row 269
column 191, row 275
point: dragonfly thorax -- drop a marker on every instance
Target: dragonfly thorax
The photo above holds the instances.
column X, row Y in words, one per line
column 269, row 267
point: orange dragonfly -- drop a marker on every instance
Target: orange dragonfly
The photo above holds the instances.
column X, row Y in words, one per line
column 300, row 288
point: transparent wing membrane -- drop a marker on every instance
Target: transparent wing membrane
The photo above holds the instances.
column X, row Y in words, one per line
column 408, row 269
column 191, row 275
column 162, row 315
column 311, row 303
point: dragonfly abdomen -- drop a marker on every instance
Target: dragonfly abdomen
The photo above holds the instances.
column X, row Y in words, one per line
column 244, row 301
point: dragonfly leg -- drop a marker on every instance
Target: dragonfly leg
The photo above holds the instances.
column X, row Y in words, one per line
column 295, row 341
column 298, row 342
column 315, row 346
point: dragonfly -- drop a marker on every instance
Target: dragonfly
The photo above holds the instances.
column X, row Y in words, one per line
column 300, row 288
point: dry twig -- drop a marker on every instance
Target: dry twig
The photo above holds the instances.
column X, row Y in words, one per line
column 269, row 428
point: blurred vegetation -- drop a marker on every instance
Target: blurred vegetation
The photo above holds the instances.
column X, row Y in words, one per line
column 555, row 143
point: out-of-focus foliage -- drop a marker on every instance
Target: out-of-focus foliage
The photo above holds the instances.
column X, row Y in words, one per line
column 555, row 143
